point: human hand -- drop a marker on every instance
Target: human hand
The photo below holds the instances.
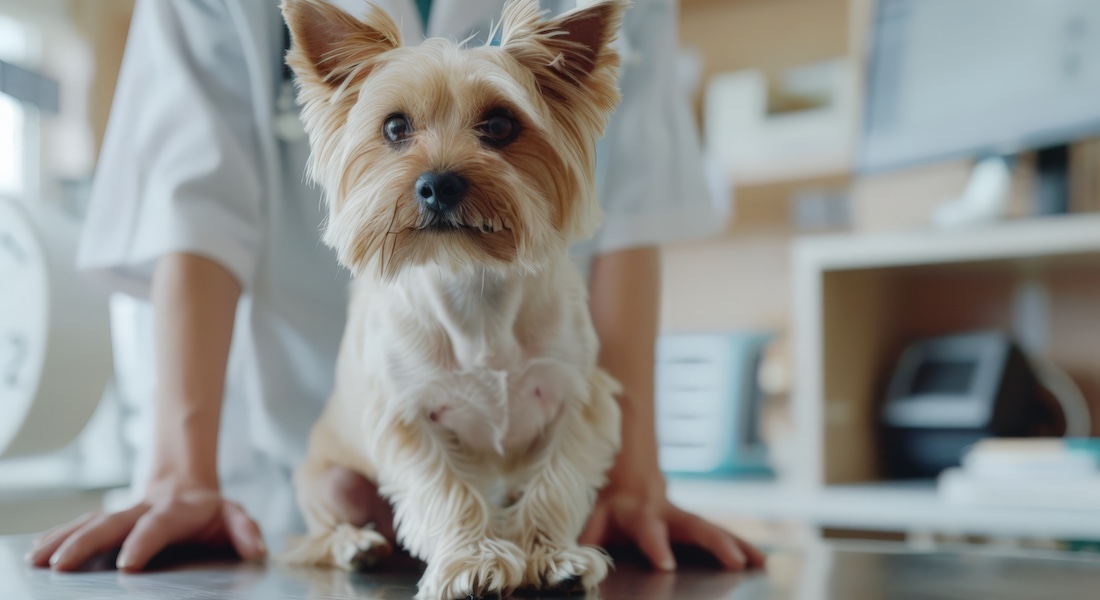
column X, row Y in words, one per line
column 637, row 510
column 355, row 500
column 167, row 516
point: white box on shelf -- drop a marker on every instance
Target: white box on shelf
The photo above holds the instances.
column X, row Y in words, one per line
column 758, row 146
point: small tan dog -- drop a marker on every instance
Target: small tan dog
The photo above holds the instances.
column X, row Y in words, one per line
column 467, row 384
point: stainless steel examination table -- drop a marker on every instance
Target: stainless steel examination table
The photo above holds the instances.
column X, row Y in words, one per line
column 825, row 571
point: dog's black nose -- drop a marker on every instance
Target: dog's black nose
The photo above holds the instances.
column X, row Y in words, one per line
column 440, row 192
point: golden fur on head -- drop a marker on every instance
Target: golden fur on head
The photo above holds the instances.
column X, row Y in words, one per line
column 526, row 201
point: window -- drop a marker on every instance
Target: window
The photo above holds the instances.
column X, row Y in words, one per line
column 11, row 146
column 13, row 48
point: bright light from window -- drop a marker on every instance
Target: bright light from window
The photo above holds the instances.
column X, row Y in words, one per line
column 11, row 142
column 13, row 48
column 13, row 40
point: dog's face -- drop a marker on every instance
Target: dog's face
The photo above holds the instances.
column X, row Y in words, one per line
column 449, row 155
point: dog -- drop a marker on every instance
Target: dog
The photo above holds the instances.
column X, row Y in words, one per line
column 467, row 386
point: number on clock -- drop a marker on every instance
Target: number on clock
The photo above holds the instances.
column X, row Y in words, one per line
column 13, row 355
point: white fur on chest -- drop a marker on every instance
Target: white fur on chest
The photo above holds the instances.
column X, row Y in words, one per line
column 491, row 361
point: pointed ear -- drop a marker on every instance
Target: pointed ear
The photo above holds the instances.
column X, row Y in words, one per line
column 572, row 47
column 329, row 46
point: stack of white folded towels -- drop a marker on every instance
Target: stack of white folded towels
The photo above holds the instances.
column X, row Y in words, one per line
column 1052, row 473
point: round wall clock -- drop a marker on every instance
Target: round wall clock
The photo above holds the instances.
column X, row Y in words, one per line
column 55, row 350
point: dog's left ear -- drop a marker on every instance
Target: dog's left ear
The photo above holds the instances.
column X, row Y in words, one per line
column 329, row 46
column 569, row 53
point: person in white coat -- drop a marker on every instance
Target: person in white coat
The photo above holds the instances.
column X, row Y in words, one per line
column 201, row 205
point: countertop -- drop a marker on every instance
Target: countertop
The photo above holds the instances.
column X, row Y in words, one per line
column 825, row 571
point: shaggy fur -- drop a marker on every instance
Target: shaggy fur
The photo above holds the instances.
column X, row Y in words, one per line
column 467, row 384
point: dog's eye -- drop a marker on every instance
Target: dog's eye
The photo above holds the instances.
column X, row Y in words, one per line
column 397, row 128
column 499, row 129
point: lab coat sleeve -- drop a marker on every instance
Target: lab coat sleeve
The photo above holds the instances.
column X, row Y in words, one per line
column 180, row 168
column 650, row 173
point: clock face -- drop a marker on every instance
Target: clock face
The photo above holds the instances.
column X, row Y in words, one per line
column 23, row 312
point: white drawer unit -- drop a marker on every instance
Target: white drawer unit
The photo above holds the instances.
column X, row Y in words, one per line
column 708, row 403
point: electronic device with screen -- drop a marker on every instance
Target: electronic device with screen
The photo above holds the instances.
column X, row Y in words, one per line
column 982, row 78
column 948, row 392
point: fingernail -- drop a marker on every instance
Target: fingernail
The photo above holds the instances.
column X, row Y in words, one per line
column 261, row 547
column 29, row 557
column 668, row 564
column 123, row 562
column 56, row 558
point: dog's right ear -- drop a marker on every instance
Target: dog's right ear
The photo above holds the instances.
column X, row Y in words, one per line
column 331, row 48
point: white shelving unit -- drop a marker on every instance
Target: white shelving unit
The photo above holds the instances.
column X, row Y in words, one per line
column 857, row 300
column 849, row 290
column 904, row 507
column 1028, row 239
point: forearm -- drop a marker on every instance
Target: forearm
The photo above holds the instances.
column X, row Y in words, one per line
column 194, row 302
column 625, row 302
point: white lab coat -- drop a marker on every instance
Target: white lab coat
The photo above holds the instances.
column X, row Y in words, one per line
column 191, row 163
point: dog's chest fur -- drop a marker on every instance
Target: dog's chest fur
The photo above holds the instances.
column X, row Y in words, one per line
column 489, row 360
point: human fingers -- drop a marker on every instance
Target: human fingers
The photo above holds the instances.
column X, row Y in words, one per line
column 154, row 531
column 687, row 528
column 349, row 495
column 45, row 546
column 244, row 533
column 595, row 530
column 757, row 559
column 651, row 536
column 100, row 534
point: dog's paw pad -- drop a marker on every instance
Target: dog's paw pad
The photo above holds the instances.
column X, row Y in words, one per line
column 488, row 596
column 573, row 585
column 485, row 572
column 365, row 559
column 567, row 571
column 357, row 549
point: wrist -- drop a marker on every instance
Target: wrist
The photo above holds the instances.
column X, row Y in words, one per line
column 180, row 464
column 170, row 477
column 637, row 468
column 634, row 472
column 185, row 451
column 638, row 446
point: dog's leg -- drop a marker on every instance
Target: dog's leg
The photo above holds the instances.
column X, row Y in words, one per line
column 443, row 519
column 554, row 506
column 331, row 539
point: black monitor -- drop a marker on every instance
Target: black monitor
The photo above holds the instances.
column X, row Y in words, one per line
column 974, row 78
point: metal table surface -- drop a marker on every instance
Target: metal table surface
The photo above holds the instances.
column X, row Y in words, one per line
column 838, row 571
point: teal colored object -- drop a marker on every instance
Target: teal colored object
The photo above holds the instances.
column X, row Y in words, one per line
column 1084, row 445
column 1091, row 547
column 425, row 7
column 708, row 405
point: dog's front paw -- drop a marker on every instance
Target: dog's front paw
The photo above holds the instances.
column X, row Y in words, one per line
column 492, row 568
column 347, row 547
column 358, row 549
column 579, row 568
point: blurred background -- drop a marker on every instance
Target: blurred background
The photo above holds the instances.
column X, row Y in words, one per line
column 897, row 336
